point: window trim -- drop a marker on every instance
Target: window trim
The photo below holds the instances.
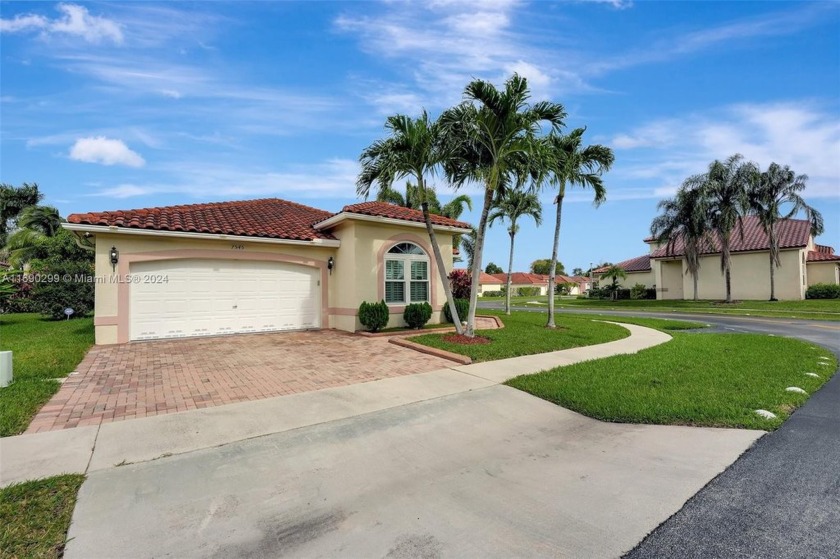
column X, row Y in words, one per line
column 406, row 259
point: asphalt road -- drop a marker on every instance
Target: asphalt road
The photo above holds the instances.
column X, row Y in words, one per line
column 781, row 499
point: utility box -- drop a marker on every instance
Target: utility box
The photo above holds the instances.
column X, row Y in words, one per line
column 5, row 368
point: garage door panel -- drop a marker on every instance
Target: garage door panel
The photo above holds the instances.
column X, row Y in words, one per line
column 207, row 297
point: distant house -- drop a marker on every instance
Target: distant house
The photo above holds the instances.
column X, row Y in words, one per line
column 638, row 271
column 577, row 285
column 523, row 279
column 486, row 282
column 804, row 263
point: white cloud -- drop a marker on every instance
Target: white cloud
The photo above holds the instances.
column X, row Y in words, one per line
column 799, row 134
column 105, row 151
column 75, row 21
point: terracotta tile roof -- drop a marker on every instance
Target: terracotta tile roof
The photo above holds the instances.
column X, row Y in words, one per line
column 523, row 278
column 817, row 256
column 825, row 249
column 484, row 278
column 793, row 233
column 570, row 279
column 638, row 264
column 270, row 217
column 392, row 211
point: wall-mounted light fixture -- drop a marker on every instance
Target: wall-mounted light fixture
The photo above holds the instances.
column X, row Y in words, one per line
column 330, row 264
column 115, row 257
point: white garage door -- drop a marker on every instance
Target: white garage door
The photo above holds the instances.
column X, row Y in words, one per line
column 182, row 298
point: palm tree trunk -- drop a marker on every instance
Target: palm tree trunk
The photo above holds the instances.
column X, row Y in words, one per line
column 447, row 289
column 694, row 277
column 510, row 269
column 553, row 266
column 727, row 272
column 476, row 265
column 774, row 251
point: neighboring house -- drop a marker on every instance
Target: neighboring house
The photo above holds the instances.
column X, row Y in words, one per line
column 524, row 279
column 638, row 271
column 258, row 266
column 576, row 285
column 486, row 282
column 804, row 263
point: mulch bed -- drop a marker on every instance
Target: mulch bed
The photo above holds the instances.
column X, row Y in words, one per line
column 465, row 340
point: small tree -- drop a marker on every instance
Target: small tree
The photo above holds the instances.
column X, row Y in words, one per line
column 542, row 267
column 460, row 282
column 614, row 273
column 493, row 269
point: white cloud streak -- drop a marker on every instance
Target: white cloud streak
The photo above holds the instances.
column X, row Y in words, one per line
column 798, row 134
column 105, row 151
column 75, row 21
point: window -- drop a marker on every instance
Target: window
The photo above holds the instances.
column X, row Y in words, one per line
column 406, row 274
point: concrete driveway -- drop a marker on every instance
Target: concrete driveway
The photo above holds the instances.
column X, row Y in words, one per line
column 144, row 379
column 487, row 472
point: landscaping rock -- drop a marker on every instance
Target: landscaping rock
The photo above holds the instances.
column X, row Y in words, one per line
column 795, row 389
column 766, row 414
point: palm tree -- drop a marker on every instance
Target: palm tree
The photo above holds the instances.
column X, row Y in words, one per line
column 490, row 140
column 13, row 200
column 724, row 188
column 565, row 161
column 35, row 223
column 411, row 150
column 513, row 205
column 774, row 188
column 468, row 244
column 684, row 219
column 614, row 273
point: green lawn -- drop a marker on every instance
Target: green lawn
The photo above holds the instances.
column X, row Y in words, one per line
column 808, row 309
column 35, row 516
column 665, row 324
column 715, row 380
column 43, row 350
column 525, row 333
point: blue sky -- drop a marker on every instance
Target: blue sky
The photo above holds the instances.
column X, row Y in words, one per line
column 115, row 106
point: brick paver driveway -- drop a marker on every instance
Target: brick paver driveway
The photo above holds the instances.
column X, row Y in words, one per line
column 151, row 378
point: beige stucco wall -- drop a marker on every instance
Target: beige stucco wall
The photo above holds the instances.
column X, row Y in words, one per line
column 111, row 295
column 646, row 278
column 358, row 274
column 750, row 277
column 361, row 275
column 823, row 272
column 487, row 287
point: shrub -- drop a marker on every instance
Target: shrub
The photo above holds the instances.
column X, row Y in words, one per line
column 416, row 315
column 460, row 282
column 823, row 291
column 499, row 293
column 373, row 316
column 461, row 305
column 528, row 291
column 72, row 287
column 638, row 291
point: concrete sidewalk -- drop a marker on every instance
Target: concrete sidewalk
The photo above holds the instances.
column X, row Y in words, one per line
column 88, row 449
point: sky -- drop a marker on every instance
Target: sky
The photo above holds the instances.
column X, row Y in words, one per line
column 112, row 105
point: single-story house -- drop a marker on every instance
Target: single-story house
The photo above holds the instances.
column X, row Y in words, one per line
column 486, row 282
column 257, row 266
column 524, row 279
column 638, row 271
column 804, row 263
column 576, row 285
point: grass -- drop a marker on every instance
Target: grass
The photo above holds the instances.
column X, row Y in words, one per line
column 43, row 350
column 714, row 380
column 35, row 516
column 665, row 324
column 808, row 309
column 525, row 334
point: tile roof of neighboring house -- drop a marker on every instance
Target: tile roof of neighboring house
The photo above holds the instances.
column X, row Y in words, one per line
column 523, row 278
column 817, row 256
column 270, row 217
column 392, row 211
column 483, row 278
column 825, row 249
column 489, row 279
column 792, row 233
column 638, row 264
